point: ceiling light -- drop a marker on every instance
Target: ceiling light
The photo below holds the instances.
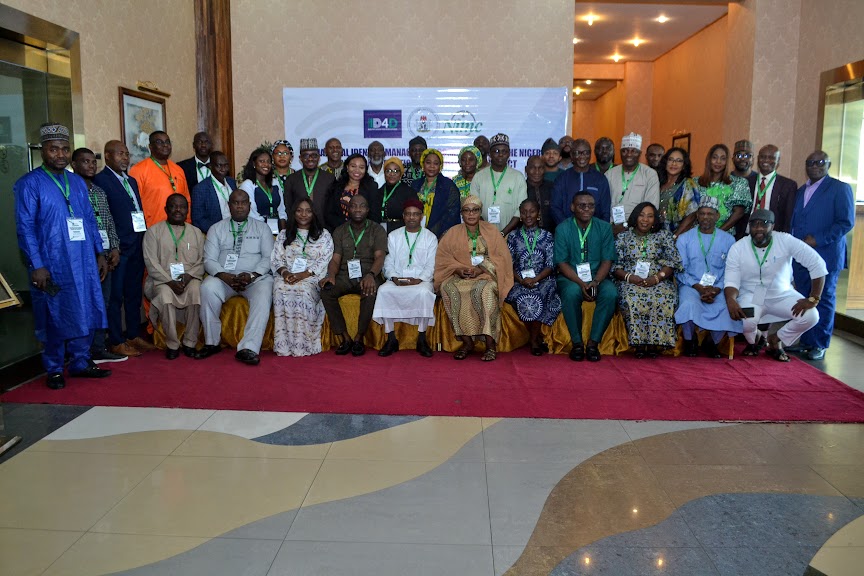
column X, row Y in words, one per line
column 576, row 40
column 577, row 90
column 637, row 41
column 616, row 57
column 590, row 18
column 662, row 19
column 588, row 82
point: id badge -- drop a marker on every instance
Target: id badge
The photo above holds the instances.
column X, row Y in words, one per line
column 707, row 279
column 528, row 273
column 231, row 261
column 274, row 225
column 105, row 243
column 354, row 270
column 618, row 215
column 177, row 271
column 299, row 265
column 75, row 227
column 584, row 272
column 642, row 269
column 476, row 260
column 493, row 215
column 138, row 222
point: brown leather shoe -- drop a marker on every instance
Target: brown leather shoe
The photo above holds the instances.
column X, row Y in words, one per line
column 125, row 349
column 141, row 345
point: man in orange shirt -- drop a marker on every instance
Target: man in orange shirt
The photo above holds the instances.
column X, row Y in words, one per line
column 158, row 178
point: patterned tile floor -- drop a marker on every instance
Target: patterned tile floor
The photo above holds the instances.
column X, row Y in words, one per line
column 158, row 492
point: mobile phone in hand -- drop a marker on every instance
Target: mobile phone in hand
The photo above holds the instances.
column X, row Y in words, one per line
column 51, row 287
column 749, row 312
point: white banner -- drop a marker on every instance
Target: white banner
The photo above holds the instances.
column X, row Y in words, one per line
column 447, row 118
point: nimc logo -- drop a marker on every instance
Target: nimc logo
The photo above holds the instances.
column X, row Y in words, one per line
column 462, row 123
column 382, row 123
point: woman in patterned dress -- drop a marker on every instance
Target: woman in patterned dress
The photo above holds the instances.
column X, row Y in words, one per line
column 732, row 192
column 647, row 261
column 470, row 159
column 300, row 258
column 679, row 193
column 533, row 294
column 473, row 273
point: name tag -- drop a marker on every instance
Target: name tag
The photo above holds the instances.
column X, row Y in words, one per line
column 528, row 273
column 584, row 272
column 707, row 279
column 299, row 265
column 274, row 225
column 493, row 214
column 177, row 271
column 75, row 227
column 618, row 215
column 642, row 268
column 231, row 261
column 138, row 222
column 354, row 270
column 476, row 260
column 105, row 243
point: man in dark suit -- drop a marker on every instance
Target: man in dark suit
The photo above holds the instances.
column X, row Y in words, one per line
column 824, row 214
column 770, row 191
column 210, row 197
column 310, row 182
column 124, row 201
column 195, row 168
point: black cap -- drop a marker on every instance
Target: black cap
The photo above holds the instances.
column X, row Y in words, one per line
column 762, row 214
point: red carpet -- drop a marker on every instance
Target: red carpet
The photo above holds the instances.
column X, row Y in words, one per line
column 516, row 385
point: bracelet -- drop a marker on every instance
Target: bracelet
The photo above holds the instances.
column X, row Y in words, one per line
column 627, row 277
column 656, row 278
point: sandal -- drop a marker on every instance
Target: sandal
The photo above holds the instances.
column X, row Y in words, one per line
column 641, row 352
column 750, row 350
column 592, row 353
column 653, row 352
column 778, row 354
column 489, row 355
column 462, row 352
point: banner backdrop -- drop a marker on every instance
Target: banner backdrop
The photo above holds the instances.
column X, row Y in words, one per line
column 447, row 118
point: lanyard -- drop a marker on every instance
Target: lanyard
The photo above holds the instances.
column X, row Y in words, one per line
column 177, row 240
column 198, row 166
column 91, row 193
column 310, row 185
column 426, row 190
column 645, row 246
column 129, row 192
column 474, row 241
column 761, row 192
column 219, row 188
column 238, row 233
column 167, row 172
column 65, row 190
column 357, row 239
column 304, row 240
column 764, row 258
column 411, row 246
column 625, row 183
column 583, row 238
column 706, row 252
column 494, row 185
column 530, row 243
column 269, row 196
column 387, row 196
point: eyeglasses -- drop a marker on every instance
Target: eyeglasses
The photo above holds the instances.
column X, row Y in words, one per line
column 470, row 210
column 674, row 160
column 820, row 163
column 743, row 155
column 308, row 155
column 584, row 206
column 582, row 153
column 281, row 153
column 391, row 171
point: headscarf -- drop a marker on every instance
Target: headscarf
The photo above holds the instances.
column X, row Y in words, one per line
column 474, row 150
column 432, row 151
column 453, row 254
column 398, row 162
column 472, row 199
column 281, row 143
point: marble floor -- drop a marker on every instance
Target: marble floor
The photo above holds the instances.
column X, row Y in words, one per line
column 159, row 492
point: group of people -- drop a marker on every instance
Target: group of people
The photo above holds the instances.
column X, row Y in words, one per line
column 649, row 239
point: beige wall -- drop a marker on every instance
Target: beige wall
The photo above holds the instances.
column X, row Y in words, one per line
column 609, row 116
column 122, row 43
column 583, row 119
column 496, row 43
column 689, row 88
column 638, row 97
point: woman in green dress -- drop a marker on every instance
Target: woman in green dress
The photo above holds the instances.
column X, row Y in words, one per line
column 732, row 193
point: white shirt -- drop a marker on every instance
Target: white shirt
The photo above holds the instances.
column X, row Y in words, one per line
column 249, row 187
column 203, row 172
column 223, row 192
column 379, row 177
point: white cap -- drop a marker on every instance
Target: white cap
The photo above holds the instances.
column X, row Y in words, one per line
column 632, row 140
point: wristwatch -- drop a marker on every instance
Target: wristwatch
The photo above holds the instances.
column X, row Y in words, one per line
column 814, row 299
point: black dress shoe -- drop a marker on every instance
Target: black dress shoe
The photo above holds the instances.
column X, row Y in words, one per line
column 208, row 351
column 536, row 350
column 593, row 353
column 190, row 352
column 55, row 381
column 247, row 357
column 544, row 346
column 344, row 348
column 424, row 349
column 710, row 348
column 577, row 353
column 172, row 354
column 691, row 348
column 91, row 371
column 358, row 349
column 390, row 347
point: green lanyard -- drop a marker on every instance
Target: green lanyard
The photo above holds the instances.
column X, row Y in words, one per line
column 706, row 252
column 583, row 239
column 411, row 246
column 238, row 232
column 357, row 239
column 167, row 172
column 304, row 241
column 426, row 190
column 310, row 186
column 65, row 190
column 130, row 193
column 764, row 258
column 645, row 247
column 269, row 197
column 474, row 241
column 177, row 240
column 91, row 193
column 218, row 186
column 761, row 193
column 530, row 243
column 198, row 167
column 387, row 196
column 625, row 183
column 494, row 185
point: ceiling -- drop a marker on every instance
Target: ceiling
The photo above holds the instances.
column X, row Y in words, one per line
column 618, row 23
column 591, row 91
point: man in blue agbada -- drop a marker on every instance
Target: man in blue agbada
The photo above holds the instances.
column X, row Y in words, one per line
column 58, row 234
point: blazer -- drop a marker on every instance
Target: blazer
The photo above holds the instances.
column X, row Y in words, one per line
column 121, row 207
column 782, row 203
column 333, row 217
column 205, row 203
column 190, row 170
column 828, row 217
column 295, row 190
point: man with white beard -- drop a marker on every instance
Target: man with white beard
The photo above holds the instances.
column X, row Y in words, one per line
column 375, row 155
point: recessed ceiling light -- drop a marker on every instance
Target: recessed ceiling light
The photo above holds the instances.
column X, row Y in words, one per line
column 588, row 82
column 662, row 19
column 590, row 18
column 577, row 90
column 637, row 41
column 616, row 57
column 576, row 40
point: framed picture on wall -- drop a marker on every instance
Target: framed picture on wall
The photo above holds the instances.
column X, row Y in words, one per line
column 140, row 114
column 682, row 141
